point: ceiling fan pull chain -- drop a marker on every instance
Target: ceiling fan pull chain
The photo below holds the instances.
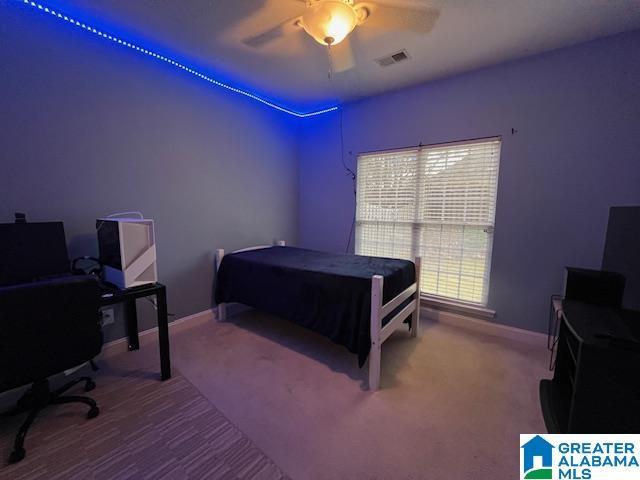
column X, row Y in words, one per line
column 330, row 74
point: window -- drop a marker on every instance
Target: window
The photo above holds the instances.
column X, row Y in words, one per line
column 437, row 202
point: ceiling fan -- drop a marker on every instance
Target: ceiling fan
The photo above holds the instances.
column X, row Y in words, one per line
column 330, row 22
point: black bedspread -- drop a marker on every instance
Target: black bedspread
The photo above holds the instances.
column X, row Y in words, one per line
column 327, row 293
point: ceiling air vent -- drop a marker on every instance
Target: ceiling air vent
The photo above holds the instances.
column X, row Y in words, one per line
column 392, row 59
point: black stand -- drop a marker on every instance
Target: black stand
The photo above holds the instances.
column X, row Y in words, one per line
column 128, row 297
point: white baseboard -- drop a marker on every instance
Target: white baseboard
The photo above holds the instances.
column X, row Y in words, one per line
column 151, row 335
column 483, row 326
column 115, row 347
column 448, row 318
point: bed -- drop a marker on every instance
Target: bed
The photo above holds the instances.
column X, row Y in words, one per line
column 355, row 301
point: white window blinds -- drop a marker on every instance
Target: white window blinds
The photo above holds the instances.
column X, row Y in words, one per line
column 437, row 202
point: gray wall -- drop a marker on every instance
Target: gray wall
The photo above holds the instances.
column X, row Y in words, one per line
column 88, row 129
column 575, row 154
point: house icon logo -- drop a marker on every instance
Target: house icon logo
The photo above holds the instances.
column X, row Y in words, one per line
column 537, row 459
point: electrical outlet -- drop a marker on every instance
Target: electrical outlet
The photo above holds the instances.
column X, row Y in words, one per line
column 107, row 316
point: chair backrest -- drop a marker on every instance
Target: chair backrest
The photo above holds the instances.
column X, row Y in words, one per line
column 47, row 327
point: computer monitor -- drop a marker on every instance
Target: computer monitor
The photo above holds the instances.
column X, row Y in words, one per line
column 32, row 251
column 622, row 251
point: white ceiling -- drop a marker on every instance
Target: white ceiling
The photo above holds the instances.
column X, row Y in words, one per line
column 467, row 34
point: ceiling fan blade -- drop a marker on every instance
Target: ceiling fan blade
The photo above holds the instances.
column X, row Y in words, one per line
column 285, row 28
column 342, row 56
column 400, row 15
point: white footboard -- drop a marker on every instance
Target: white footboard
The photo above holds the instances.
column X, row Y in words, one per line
column 222, row 307
column 380, row 311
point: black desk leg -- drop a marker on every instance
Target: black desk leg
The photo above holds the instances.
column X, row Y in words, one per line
column 163, row 334
column 132, row 324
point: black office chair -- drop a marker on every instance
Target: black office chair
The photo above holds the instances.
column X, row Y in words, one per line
column 47, row 327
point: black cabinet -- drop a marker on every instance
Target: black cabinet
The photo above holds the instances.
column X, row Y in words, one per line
column 596, row 382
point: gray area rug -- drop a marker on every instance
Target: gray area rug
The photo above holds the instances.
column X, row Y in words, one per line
column 146, row 429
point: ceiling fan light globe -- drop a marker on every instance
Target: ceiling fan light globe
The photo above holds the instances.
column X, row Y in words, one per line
column 329, row 21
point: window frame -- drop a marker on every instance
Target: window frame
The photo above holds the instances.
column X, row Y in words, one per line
column 433, row 299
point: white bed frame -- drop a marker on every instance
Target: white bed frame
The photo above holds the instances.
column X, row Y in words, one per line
column 378, row 312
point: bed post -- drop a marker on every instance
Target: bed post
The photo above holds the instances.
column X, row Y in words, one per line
column 377, row 285
column 415, row 316
column 222, row 307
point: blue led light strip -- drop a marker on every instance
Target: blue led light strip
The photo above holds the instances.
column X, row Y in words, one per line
column 61, row 16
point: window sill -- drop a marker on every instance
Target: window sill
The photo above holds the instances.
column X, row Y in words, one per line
column 455, row 306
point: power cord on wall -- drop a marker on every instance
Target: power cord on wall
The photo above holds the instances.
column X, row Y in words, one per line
column 155, row 306
column 352, row 174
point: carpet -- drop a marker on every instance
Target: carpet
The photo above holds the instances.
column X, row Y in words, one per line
column 451, row 406
column 146, row 429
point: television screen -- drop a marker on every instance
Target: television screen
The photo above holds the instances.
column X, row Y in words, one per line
column 32, row 251
column 622, row 251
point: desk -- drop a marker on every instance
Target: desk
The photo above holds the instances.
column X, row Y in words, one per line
column 128, row 297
